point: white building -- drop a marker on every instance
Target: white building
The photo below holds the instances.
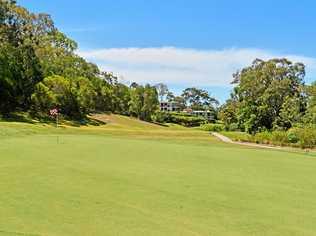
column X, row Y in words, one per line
column 169, row 106
column 209, row 115
column 206, row 114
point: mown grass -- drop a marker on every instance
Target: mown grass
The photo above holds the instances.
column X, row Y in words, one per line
column 128, row 178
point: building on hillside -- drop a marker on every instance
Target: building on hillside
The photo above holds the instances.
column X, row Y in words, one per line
column 208, row 115
column 169, row 107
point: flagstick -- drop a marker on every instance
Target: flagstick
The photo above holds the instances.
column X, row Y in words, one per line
column 57, row 128
column 57, row 120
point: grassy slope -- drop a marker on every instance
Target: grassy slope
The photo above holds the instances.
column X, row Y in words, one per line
column 133, row 178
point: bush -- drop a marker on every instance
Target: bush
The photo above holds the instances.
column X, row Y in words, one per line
column 188, row 121
column 161, row 117
column 279, row 137
column 213, row 127
column 296, row 137
column 239, row 136
column 306, row 137
column 233, row 127
column 178, row 118
column 292, row 137
column 264, row 137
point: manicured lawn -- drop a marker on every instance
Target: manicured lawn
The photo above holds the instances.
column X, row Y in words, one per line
column 98, row 181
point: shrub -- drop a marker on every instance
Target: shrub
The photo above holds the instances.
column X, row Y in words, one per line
column 213, row 127
column 279, row 137
column 306, row 137
column 178, row 118
column 298, row 137
column 292, row 137
column 239, row 136
column 188, row 121
column 161, row 117
column 233, row 127
column 264, row 137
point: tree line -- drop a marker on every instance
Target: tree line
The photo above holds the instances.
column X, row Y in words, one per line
column 39, row 70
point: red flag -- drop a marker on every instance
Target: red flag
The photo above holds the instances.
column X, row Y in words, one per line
column 53, row 112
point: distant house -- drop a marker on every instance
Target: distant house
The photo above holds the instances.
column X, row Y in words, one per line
column 169, row 106
column 209, row 115
column 174, row 107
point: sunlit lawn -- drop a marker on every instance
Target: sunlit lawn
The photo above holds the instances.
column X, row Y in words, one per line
column 149, row 181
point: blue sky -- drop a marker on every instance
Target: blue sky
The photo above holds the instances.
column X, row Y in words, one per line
column 186, row 43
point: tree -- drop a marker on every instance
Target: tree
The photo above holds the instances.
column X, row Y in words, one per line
column 228, row 113
column 265, row 91
column 162, row 90
column 198, row 99
column 73, row 97
column 83, row 91
column 43, row 98
column 290, row 113
column 103, row 99
column 310, row 117
column 137, row 101
column 150, row 102
column 20, row 68
column 121, row 99
column 179, row 100
column 143, row 102
column 170, row 96
column 40, row 70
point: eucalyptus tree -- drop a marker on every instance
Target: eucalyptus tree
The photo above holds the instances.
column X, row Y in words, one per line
column 269, row 94
column 198, row 99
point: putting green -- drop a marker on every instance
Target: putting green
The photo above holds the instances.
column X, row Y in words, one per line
column 93, row 183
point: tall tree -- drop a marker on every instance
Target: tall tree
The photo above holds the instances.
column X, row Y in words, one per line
column 20, row 68
column 310, row 117
column 198, row 99
column 266, row 91
column 162, row 90
column 137, row 101
column 170, row 96
column 143, row 102
column 150, row 102
column 179, row 100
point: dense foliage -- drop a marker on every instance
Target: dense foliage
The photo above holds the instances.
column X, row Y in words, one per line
column 179, row 118
column 39, row 70
column 272, row 104
column 297, row 137
column 198, row 99
column 213, row 127
column 270, row 95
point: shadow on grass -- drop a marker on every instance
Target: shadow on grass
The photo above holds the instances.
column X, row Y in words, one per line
column 18, row 117
column 160, row 124
column 85, row 122
column 25, row 117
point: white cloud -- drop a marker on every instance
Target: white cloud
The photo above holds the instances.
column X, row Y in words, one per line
column 183, row 67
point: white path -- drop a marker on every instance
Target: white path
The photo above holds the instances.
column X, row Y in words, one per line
column 222, row 137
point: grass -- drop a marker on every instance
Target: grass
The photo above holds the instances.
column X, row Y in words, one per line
column 132, row 178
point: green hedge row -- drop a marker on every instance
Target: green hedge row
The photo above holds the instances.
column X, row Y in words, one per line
column 178, row 118
column 213, row 127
